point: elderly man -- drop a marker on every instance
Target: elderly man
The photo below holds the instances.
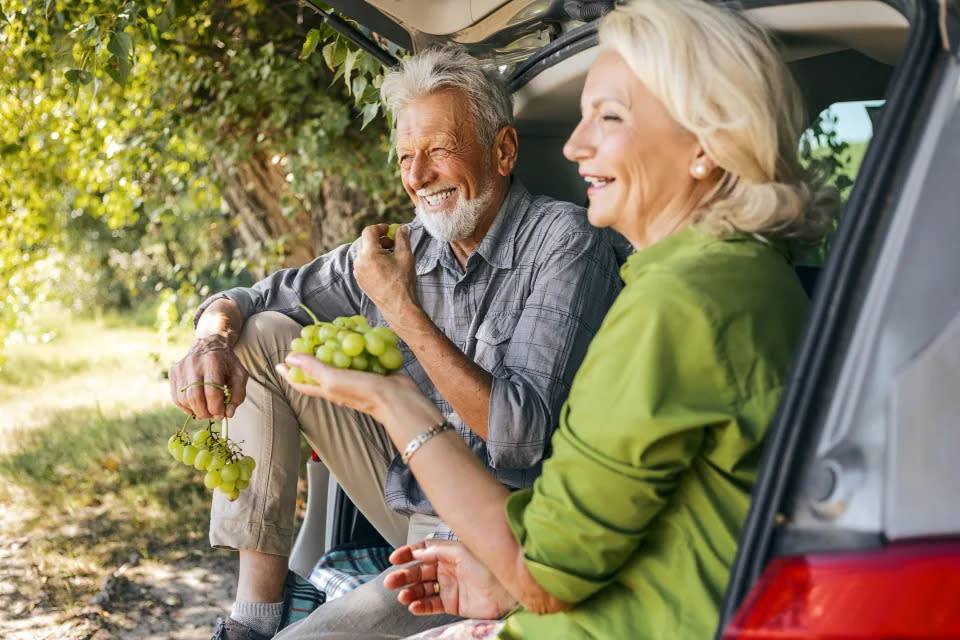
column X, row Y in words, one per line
column 494, row 295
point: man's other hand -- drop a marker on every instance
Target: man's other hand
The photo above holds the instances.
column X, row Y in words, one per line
column 387, row 276
column 210, row 359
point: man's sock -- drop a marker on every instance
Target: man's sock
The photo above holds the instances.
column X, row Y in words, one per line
column 262, row 617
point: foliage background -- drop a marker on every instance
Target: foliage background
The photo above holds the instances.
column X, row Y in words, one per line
column 153, row 152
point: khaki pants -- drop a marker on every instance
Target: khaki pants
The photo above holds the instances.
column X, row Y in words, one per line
column 352, row 445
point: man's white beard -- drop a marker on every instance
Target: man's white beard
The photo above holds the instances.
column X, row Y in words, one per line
column 457, row 224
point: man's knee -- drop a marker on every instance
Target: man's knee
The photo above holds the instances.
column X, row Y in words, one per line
column 266, row 336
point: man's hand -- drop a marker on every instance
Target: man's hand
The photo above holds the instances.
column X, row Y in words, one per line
column 210, row 359
column 448, row 579
column 387, row 277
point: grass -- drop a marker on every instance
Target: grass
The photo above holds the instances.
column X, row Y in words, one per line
column 86, row 478
column 86, row 482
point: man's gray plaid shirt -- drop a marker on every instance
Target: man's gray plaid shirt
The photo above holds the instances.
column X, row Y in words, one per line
column 524, row 308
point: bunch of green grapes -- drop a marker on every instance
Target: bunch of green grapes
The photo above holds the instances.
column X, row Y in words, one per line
column 227, row 469
column 347, row 343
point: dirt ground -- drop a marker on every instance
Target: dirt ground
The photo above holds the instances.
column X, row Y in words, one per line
column 51, row 587
column 141, row 600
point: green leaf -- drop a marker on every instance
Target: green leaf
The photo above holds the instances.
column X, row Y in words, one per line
column 369, row 113
column 120, row 44
column 310, row 44
column 154, row 33
column 348, row 63
column 78, row 76
column 118, row 69
column 358, row 85
column 329, row 51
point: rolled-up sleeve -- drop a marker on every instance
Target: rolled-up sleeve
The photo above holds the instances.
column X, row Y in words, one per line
column 326, row 285
column 576, row 283
column 651, row 385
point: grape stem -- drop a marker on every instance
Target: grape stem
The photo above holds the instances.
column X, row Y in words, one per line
column 226, row 401
column 316, row 320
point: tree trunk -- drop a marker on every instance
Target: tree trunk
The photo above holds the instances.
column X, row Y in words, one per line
column 254, row 192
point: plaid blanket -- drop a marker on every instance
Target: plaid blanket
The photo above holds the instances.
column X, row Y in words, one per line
column 340, row 571
column 336, row 573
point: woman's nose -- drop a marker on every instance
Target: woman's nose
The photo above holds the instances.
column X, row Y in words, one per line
column 577, row 146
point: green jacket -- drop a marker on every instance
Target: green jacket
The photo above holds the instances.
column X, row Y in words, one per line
column 638, row 511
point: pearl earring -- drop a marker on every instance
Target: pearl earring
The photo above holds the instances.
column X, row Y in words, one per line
column 700, row 170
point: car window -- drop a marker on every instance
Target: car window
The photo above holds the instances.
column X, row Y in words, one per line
column 835, row 143
column 837, row 139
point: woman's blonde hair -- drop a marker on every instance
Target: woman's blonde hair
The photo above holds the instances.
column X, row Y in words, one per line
column 720, row 77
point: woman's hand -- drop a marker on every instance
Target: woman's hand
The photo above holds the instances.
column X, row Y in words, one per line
column 393, row 400
column 448, row 579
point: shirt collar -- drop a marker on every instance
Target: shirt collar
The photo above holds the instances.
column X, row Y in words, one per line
column 497, row 246
column 638, row 261
column 498, row 243
column 688, row 238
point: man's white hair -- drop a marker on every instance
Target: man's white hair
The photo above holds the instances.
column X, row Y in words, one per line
column 451, row 67
column 720, row 77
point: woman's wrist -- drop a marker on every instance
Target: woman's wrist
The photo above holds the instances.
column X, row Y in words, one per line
column 405, row 413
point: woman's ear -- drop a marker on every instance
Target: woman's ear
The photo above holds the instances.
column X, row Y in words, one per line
column 505, row 148
column 702, row 166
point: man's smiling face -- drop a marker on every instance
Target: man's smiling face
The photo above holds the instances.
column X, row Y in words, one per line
column 445, row 170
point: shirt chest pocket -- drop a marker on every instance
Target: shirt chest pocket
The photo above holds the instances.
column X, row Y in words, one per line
column 493, row 341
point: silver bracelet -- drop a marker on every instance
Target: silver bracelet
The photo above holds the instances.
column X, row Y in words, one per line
column 419, row 440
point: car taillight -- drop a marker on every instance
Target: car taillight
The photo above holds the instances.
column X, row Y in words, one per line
column 905, row 591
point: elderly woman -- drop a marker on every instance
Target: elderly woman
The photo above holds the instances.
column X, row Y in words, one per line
column 688, row 140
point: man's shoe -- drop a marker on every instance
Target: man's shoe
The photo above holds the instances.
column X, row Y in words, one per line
column 230, row 629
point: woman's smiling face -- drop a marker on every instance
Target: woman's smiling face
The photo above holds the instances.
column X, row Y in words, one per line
column 635, row 158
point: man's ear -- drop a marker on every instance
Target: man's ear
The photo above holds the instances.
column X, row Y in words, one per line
column 505, row 148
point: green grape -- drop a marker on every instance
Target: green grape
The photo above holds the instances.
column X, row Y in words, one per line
column 245, row 473
column 297, row 375
column 189, row 454
column 226, row 487
column 359, row 363
column 343, row 322
column 392, row 231
column 341, row 360
column 230, row 472
column 325, row 354
column 309, row 380
column 243, row 484
column 391, row 358
column 203, row 459
column 309, row 332
column 389, row 337
column 374, row 343
column 217, row 462
column 248, row 461
column 352, row 344
column 212, row 479
column 200, row 438
column 233, row 495
column 175, row 446
column 326, row 332
column 376, row 367
column 299, row 345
